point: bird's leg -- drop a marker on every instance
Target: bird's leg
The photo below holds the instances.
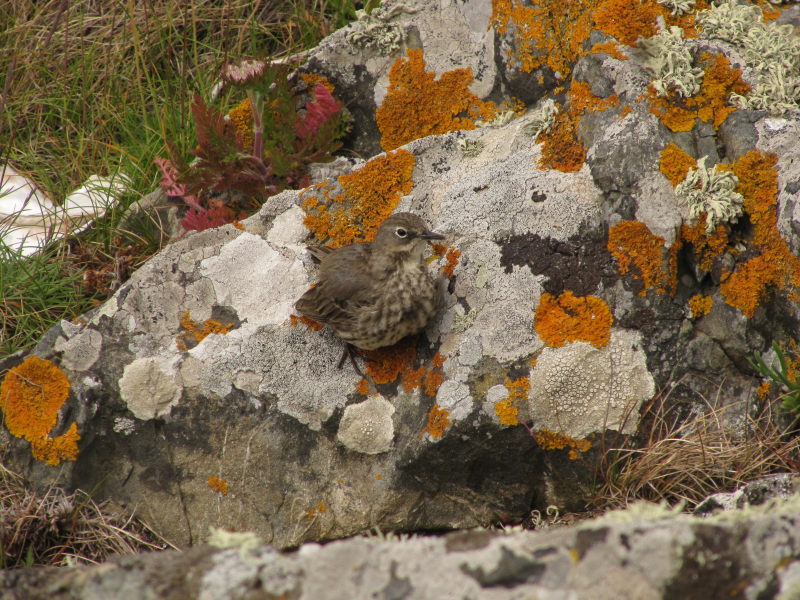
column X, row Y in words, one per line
column 350, row 350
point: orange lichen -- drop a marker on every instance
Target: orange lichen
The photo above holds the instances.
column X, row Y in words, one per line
column 318, row 509
column 561, row 148
column 632, row 244
column 775, row 267
column 507, row 410
column 762, row 391
column 452, row 257
column 242, row 118
column 550, row 33
column 626, row 110
column 700, row 305
column 295, row 320
column 312, row 80
column 238, row 225
column 710, row 104
column 427, row 378
column 706, row 246
column 550, row 440
column 675, row 163
column 438, row 421
column 628, row 20
column 31, row 396
column 218, row 485
column 611, row 48
column 198, row 331
column 362, row 387
column 386, row 364
column 417, row 104
column 370, row 195
column 571, row 318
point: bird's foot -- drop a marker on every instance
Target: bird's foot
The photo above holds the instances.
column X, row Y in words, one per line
column 350, row 351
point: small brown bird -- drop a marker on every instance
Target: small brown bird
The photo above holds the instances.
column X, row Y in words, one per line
column 373, row 294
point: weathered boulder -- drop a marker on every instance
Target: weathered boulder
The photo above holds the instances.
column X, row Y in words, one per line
column 642, row 553
column 582, row 273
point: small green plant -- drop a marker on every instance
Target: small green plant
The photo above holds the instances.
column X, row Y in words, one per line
column 781, row 375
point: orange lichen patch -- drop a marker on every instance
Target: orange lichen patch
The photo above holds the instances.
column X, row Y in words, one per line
column 452, row 257
column 416, row 104
column 700, row 305
column 434, row 377
column 413, row 378
column 626, row 110
column 632, row 244
column 561, row 148
column 295, row 320
column 550, row 440
column 318, row 509
column 686, row 21
column 628, row 20
column 706, row 246
column 312, row 80
column 507, row 410
column 611, row 48
column 776, row 267
column 571, row 318
column 238, row 225
column 550, row 33
column 218, row 485
column 710, row 104
column 31, row 396
column 242, row 118
column 675, row 163
column 198, row 331
column 370, row 195
column 762, row 391
column 362, row 387
column 386, row 364
column 427, row 378
column 438, row 421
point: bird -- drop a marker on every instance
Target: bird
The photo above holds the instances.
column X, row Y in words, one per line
column 373, row 294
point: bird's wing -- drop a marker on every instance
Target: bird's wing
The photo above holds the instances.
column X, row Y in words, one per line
column 344, row 284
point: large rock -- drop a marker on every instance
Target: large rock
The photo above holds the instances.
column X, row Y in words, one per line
column 570, row 295
column 643, row 553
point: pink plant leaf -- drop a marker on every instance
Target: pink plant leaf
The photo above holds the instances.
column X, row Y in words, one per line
column 202, row 219
column 318, row 112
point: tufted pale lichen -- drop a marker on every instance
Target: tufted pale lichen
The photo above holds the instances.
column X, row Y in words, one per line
column 542, row 118
column 771, row 52
column 678, row 7
column 670, row 61
column 713, row 192
column 373, row 30
column 470, row 148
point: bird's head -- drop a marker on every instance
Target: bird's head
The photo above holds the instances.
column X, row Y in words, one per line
column 404, row 233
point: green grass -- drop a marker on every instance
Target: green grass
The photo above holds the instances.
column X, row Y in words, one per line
column 97, row 87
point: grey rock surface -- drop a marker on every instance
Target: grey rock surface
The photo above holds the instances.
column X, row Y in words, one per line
column 643, row 553
column 433, row 441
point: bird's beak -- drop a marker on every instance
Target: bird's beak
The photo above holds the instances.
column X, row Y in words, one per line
column 430, row 235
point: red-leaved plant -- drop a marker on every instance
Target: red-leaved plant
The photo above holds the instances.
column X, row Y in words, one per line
column 225, row 181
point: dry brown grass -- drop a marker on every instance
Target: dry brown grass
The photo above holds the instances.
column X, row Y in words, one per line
column 62, row 529
column 686, row 460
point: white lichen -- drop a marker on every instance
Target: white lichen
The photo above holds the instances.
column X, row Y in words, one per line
column 373, row 30
column 500, row 119
column 542, row 118
column 670, row 60
column 678, row 7
column 470, row 148
column 771, row 53
column 713, row 192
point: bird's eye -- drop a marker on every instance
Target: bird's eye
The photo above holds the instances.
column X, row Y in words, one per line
column 401, row 233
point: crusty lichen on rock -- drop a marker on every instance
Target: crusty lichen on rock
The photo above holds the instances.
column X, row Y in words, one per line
column 569, row 318
column 31, row 396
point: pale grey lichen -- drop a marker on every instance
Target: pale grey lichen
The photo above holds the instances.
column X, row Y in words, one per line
column 713, row 192
column 542, row 118
column 678, row 7
column 771, row 52
column 373, row 30
column 670, row 60
column 470, row 148
column 501, row 119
